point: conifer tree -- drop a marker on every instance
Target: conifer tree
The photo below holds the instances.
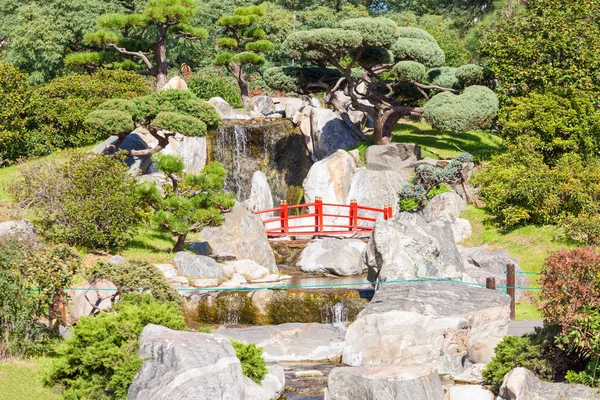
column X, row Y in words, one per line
column 191, row 202
column 242, row 44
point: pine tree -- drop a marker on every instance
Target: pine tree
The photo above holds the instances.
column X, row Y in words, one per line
column 190, row 202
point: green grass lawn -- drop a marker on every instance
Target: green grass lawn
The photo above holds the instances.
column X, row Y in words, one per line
column 22, row 380
column 530, row 245
column 443, row 144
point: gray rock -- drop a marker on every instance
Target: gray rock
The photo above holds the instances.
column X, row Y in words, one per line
column 522, row 384
column 236, row 280
column 191, row 149
column 288, row 105
column 20, row 228
column 200, row 248
column 186, row 365
column 448, row 205
column 407, row 247
column 242, row 235
column 117, row 260
column 167, row 270
column 376, row 189
column 260, row 195
column 428, row 323
column 387, row 382
column 175, row 82
column 92, row 298
column 293, row 341
column 262, row 104
column 473, row 374
column 249, row 269
column 326, row 131
column 134, row 141
column 270, row 388
column 333, row 256
column 481, row 263
column 469, row 392
column 395, row 156
column 461, row 228
column 195, row 266
column 201, row 283
column 225, row 110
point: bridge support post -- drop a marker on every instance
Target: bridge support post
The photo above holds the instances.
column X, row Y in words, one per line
column 353, row 220
column 283, row 215
column 318, row 214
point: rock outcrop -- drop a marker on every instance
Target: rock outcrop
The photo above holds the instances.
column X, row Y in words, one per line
column 293, row 341
column 20, row 228
column 407, row 247
column 195, row 266
column 242, row 236
column 389, row 382
column 397, row 156
column 445, row 208
column 92, row 298
column 225, row 110
column 333, row 256
column 260, row 195
column 262, row 105
column 325, row 132
column 522, row 384
column 191, row 149
column 434, row 323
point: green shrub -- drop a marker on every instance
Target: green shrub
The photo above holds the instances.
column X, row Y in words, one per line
column 519, row 187
column 228, row 308
column 84, row 200
column 101, row 358
column 132, row 277
column 423, row 51
column 443, row 76
column 253, row 364
column 31, row 279
column 105, row 123
column 408, row 71
column 439, row 189
column 471, row 74
column 538, row 352
column 13, row 97
column 211, row 82
column 409, row 204
column 590, row 376
column 563, row 122
column 584, row 228
column 57, row 110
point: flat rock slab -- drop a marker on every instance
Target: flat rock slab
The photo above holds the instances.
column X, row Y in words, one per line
column 428, row 323
column 292, row 342
column 384, row 383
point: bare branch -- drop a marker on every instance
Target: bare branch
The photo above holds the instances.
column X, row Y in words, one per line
column 140, row 54
column 435, row 87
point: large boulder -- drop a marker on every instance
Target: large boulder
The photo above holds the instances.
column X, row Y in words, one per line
column 242, row 236
column 407, row 247
column 330, row 179
column 333, row 256
column 435, row 323
column 397, row 156
column 191, row 149
column 445, row 208
column 250, row 270
column 388, row 382
column 469, row 392
column 196, row 266
column 91, row 298
column 225, row 110
column 260, row 195
column 522, row 384
column 289, row 106
column 376, row 189
column 20, row 228
column 134, row 141
column 176, row 82
column 262, row 105
column 481, row 263
column 326, row 132
column 293, row 341
column 186, row 365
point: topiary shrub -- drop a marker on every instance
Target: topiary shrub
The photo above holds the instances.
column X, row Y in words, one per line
column 471, row 74
column 443, row 76
column 31, row 282
column 109, row 122
column 408, row 71
column 253, row 364
column 101, row 358
column 84, row 200
column 133, row 277
column 210, row 82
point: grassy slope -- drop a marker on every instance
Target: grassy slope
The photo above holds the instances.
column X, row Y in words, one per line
column 22, row 380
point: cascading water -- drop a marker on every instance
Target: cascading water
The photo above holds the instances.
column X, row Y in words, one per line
column 337, row 314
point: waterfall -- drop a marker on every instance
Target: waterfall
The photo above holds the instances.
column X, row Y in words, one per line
column 337, row 314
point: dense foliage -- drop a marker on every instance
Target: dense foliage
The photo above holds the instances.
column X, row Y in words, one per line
column 86, row 200
column 31, row 279
column 253, row 363
column 210, row 82
column 552, row 44
column 134, row 277
column 519, row 187
column 101, row 358
column 191, row 202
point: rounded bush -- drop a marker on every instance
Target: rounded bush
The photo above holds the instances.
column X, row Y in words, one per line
column 295, row 79
column 426, row 52
column 443, row 76
column 471, row 74
column 180, row 123
column 374, row 56
column 375, row 32
column 415, row 33
column 408, row 71
column 104, row 123
column 321, row 43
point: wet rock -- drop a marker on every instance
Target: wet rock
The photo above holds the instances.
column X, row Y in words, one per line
column 376, row 189
column 407, row 247
column 522, row 384
column 423, row 323
column 333, row 256
column 92, row 298
column 225, row 110
column 186, row 365
column 195, row 266
column 397, row 156
column 242, row 235
column 469, row 392
column 293, row 341
column 387, row 382
column 20, row 228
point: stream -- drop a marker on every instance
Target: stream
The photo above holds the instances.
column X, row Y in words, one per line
column 305, row 387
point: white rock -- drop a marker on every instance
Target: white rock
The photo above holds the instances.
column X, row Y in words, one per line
column 473, row 374
column 311, row 373
column 522, row 384
column 334, row 256
column 260, row 195
column 235, row 281
column 179, row 281
column 201, row 283
column 249, row 269
column 167, row 270
column 175, row 82
column 469, row 392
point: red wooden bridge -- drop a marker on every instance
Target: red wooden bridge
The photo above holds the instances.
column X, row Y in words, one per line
column 318, row 222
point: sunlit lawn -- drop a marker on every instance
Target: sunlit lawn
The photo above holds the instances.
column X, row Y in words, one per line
column 22, row 380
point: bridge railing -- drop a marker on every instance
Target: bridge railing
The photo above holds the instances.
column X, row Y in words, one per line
column 319, row 221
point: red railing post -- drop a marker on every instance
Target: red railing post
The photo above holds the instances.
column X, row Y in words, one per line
column 283, row 215
column 318, row 214
column 353, row 220
column 390, row 211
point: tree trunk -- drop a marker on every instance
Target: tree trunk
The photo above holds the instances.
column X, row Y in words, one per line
column 180, row 242
column 238, row 73
column 384, row 124
column 161, row 58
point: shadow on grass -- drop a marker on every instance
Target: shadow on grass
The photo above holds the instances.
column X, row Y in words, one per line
column 152, row 241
